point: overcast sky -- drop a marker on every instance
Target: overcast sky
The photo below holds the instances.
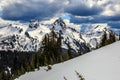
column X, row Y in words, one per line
column 80, row 11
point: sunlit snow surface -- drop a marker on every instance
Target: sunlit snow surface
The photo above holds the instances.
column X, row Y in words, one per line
column 101, row 64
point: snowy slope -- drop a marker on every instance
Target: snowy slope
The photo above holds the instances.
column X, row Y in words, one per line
column 101, row 64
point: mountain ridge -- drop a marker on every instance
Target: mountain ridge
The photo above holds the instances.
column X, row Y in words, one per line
column 32, row 35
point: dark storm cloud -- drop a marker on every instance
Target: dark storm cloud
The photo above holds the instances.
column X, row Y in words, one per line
column 112, row 18
column 26, row 10
column 107, row 18
column 114, row 24
column 83, row 10
column 44, row 9
column 31, row 9
column 95, row 19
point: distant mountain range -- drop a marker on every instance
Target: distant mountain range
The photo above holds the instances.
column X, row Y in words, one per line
column 20, row 37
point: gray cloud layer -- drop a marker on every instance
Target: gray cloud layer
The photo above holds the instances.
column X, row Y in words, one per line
column 83, row 8
column 42, row 9
column 32, row 9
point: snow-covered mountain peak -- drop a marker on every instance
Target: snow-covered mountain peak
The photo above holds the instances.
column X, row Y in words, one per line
column 96, row 28
column 96, row 33
column 22, row 37
column 59, row 24
column 33, row 24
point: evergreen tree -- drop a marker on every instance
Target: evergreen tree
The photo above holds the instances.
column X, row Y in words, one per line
column 69, row 52
column 32, row 63
column 65, row 78
column 80, row 50
column 103, row 41
column 45, row 61
column 79, row 76
column 51, row 61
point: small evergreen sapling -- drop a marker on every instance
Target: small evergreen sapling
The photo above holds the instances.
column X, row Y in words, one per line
column 79, row 76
